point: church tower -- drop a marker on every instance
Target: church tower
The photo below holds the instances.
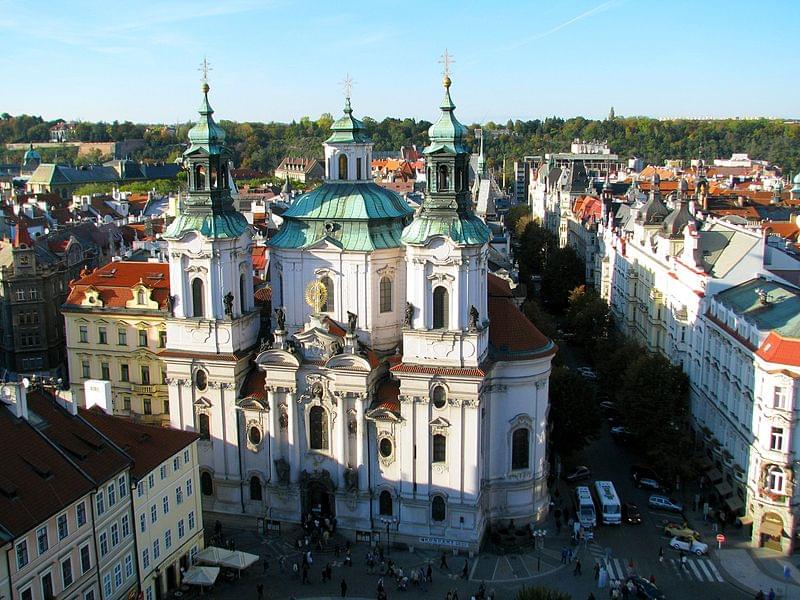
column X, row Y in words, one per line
column 213, row 327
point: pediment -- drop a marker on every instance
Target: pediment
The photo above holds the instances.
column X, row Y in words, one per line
column 319, row 344
column 383, row 414
column 439, row 422
column 277, row 357
column 326, row 243
column 252, row 404
column 348, row 361
column 202, row 403
column 316, row 334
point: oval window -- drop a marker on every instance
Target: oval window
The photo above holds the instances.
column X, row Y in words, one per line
column 386, row 447
column 201, row 380
column 254, row 435
column 439, row 397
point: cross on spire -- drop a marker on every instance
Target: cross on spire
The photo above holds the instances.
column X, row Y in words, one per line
column 205, row 67
column 446, row 60
column 347, row 85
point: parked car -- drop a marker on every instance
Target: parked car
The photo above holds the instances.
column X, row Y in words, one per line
column 630, row 513
column 645, row 483
column 578, row 474
column 587, row 373
column 608, row 406
column 689, row 544
column 645, row 589
column 678, row 530
column 660, row 502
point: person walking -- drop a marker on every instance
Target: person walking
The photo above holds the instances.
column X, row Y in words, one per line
column 771, row 595
column 661, row 554
column 465, row 570
column 684, row 562
column 260, row 591
column 596, row 569
column 430, row 573
column 577, row 569
column 266, row 565
column 343, row 587
column 305, row 574
column 443, row 562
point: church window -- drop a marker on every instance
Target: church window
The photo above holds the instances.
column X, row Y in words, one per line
column 386, row 294
column 385, row 503
column 359, row 162
column 520, row 449
column 255, row 488
column 204, row 426
column 439, row 448
column 242, row 304
column 206, row 484
column 318, row 428
column 439, row 396
column 197, row 297
column 385, row 447
column 328, row 305
column 254, row 435
column 443, row 181
column 441, row 307
column 200, row 177
column 102, row 335
column 342, row 166
column 438, row 509
column 200, row 380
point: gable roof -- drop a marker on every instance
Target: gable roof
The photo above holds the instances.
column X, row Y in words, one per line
column 115, row 281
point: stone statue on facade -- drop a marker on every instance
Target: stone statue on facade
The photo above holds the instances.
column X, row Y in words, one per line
column 227, row 300
column 280, row 318
column 351, row 479
column 172, row 301
column 283, row 468
column 352, row 322
column 473, row 318
column 265, row 345
column 409, row 317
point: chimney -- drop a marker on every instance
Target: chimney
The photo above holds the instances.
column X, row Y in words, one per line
column 17, row 394
column 98, row 393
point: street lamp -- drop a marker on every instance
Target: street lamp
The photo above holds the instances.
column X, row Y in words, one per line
column 388, row 521
column 538, row 536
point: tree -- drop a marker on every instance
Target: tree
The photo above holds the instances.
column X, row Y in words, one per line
column 562, row 273
column 541, row 593
column 574, row 415
column 588, row 316
column 516, row 215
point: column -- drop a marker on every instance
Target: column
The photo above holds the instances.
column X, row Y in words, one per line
column 274, row 429
column 361, row 433
column 296, row 415
column 405, row 446
column 339, row 431
column 470, row 451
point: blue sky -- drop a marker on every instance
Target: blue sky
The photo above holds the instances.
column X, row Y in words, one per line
column 284, row 59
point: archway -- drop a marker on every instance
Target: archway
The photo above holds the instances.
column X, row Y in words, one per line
column 319, row 500
column 771, row 531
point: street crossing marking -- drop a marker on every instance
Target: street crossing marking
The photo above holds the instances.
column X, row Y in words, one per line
column 616, row 568
column 701, row 569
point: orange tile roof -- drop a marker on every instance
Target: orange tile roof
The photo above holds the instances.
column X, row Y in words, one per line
column 254, row 385
column 259, row 257
column 448, row 371
column 115, row 281
column 388, row 395
column 780, row 350
column 785, row 229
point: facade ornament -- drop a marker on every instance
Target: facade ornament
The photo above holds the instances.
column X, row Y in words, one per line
column 227, row 300
column 351, row 479
column 473, row 318
column 283, row 417
column 421, row 399
column 172, row 302
column 264, row 345
column 280, row 318
column 352, row 322
column 470, row 403
column 408, row 320
column 283, row 469
column 540, row 383
column 454, row 402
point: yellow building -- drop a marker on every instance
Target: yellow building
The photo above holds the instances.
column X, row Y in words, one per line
column 115, row 330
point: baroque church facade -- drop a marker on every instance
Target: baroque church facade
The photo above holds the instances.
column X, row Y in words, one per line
column 402, row 387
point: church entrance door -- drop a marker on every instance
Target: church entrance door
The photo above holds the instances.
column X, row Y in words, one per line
column 319, row 501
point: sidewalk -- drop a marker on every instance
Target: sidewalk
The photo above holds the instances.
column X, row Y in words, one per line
column 739, row 564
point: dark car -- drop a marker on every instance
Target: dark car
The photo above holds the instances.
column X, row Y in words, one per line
column 638, row 471
column 630, row 513
column 578, row 474
column 645, row 589
column 621, row 435
column 647, row 478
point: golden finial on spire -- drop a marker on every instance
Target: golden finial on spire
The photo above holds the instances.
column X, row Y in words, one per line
column 446, row 60
column 347, row 85
column 205, row 67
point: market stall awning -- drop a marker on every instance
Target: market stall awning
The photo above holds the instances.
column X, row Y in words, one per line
column 201, row 575
column 714, row 475
column 723, row 489
column 238, row 560
column 213, row 555
column 771, row 528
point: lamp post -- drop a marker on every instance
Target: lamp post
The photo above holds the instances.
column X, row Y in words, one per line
column 538, row 535
column 388, row 521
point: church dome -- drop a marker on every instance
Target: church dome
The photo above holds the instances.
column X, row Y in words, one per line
column 206, row 133
column 447, row 133
column 348, row 129
column 358, row 216
column 31, row 154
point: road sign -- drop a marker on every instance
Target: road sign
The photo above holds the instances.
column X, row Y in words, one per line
column 720, row 537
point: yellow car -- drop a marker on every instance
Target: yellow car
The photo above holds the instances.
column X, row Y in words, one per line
column 678, row 530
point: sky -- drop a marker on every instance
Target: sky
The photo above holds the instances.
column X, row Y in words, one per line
column 281, row 60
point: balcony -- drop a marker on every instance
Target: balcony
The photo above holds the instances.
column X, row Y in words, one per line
column 137, row 388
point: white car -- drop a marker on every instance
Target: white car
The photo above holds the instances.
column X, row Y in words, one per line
column 688, row 544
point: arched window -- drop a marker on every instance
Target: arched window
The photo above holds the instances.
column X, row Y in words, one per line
column 386, row 295
column 775, row 480
column 318, row 428
column 520, row 449
column 204, row 426
column 197, row 297
column 439, row 396
column 200, row 177
column 329, row 304
column 430, row 180
column 459, row 178
column 385, row 503
column 255, row 488
column 223, row 176
column 140, row 297
column 242, row 304
column 206, row 484
column 213, row 180
column 441, row 307
column 438, row 509
column 439, row 448
column 443, row 181
column 342, row 166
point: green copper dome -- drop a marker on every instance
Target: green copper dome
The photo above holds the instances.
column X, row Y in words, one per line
column 358, row 216
column 348, row 129
column 206, row 134
column 447, row 134
column 31, row 154
column 463, row 229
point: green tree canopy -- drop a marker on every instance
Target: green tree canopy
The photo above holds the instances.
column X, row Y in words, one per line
column 574, row 415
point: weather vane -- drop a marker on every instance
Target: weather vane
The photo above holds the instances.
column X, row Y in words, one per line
column 205, row 67
column 447, row 60
column 347, row 85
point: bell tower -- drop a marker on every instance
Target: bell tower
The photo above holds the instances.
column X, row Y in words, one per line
column 446, row 255
column 213, row 327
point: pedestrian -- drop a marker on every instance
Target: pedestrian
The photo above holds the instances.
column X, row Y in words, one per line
column 771, row 595
column 563, row 556
column 260, row 591
column 348, row 559
column 569, row 555
column 343, row 587
column 465, row 570
column 596, row 569
column 652, row 579
column 430, row 573
column 380, row 585
column 305, row 574
column 295, row 569
column 661, row 554
column 443, row 562
column 266, row 565
column 577, row 569
column 760, row 595
column 684, row 562
column 590, row 596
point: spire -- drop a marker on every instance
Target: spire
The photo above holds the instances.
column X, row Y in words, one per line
column 481, row 157
column 22, row 238
column 206, row 133
column 348, row 129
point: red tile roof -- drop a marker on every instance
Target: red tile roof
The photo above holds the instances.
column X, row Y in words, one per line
column 259, row 257
column 36, row 480
column 784, row 229
column 254, row 385
column 388, row 396
column 22, row 237
column 448, row 371
column 511, row 334
column 780, row 350
column 147, row 445
column 115, row 282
